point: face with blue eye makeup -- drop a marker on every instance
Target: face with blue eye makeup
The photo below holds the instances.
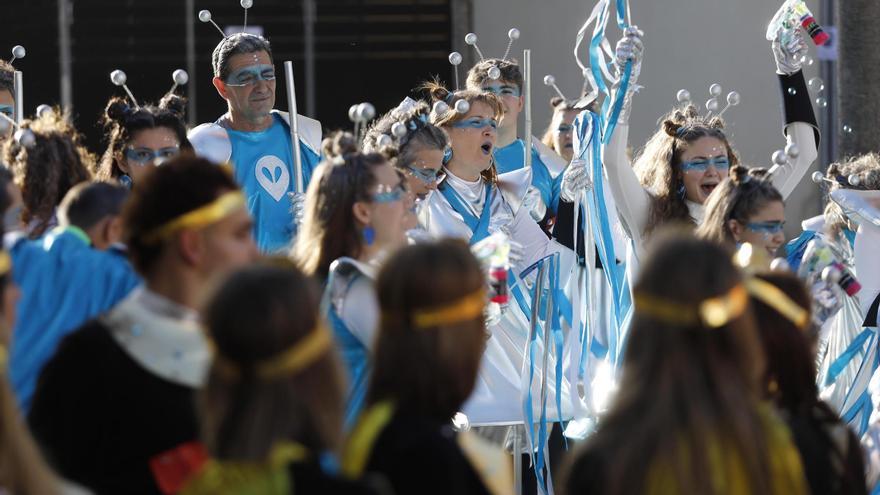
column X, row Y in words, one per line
column 511, row 99
column 473, row 140
column 762, row 229
column 704, row 164
column 250, row 90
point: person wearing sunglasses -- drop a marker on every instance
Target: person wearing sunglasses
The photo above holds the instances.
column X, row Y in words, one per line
column 357, row 213
column 140, row 138
column 256, row 139
column 745, row 207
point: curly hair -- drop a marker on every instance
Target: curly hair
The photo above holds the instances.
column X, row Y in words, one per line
column 743, row 194
column 45, row 171
column 867, row 168
column 420, row 135
column 438, row 92
column 121, row 122
column 7, row 74
column 658, row 165
column 330, row 229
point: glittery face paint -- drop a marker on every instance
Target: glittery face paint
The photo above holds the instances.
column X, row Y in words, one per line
column 475, row 123
column 250, row 75
column 6, row 110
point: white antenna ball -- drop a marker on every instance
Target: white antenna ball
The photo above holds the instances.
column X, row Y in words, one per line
column 513, row 34
column 25, row 137
column 792, row 151
column 779, row 158
column 712, row 105
column 352, row 112
column 549, row 80
column 733, row 98
column 462, row 106
column 118, row 77
column 471, row 39
column 398, row 129
column 817, row 177
column 455, row 58
column 780, row 265
column 18, row 51
column 366, row 112
column 683, row 95
column 854, row 180
column 42, row 109
column 246, row 4
column 205, row 15
column 440, row 108
column 715, row 89
column 180, row 77
column 494, row 73
column 384, row 141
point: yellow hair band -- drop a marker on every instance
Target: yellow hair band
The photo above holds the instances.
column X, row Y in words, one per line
column 713, row 312
column 4, row 358
column 212, row 212
column 290, row 362
column 466, row 308
column 774, row 297
column 5, row 263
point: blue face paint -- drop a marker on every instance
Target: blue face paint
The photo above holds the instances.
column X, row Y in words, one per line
column 143, row 156
column 390, row 196
column 721, row 163
column 427, row 175
column 766, row 228
column 7, row 110
column 250, row 75
column 475, row 123
column 564, row 128
column 502, row 90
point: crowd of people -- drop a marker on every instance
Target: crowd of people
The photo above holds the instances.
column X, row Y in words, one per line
column 447, row 304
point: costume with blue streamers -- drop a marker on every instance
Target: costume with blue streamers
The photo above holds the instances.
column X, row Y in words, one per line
column 64, row 282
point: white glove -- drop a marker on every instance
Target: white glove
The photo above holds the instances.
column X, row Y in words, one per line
column 630, row 47
column 574, row 180
column 790, row 55
column 534, row 203
column 297, row 207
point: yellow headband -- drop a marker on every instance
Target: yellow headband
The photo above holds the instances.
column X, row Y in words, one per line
column 200, row 217
column 4, row 358
column 774, row 297
column 290, row 362
column 5, row 263
column 714, row 312
column 466, row 308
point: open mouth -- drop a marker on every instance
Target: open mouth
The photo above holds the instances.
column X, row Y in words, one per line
column 708, row 188
column 487, row 148
column 569, row 146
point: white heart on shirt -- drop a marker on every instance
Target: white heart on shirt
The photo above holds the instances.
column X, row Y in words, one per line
column 273, row 176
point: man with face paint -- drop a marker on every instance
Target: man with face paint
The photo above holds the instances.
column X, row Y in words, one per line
column 509, row 155
column 255, row 138
column 7, row 101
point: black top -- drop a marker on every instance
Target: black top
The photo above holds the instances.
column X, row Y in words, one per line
column 100, row 417
column 420, row 456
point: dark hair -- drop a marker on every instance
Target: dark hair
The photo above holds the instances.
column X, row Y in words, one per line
column 867, row 168
column 122, row 121
column 479, row 73
column 658, row 164
column 688, row 391
column 438, row 92
column 236, row 44
column 5, row 178
column 257, row 314
column 87, row 203
column 329, row 228
column 179, row 186
column 428, row 372
column 7, row 77
column 420, row 134
column 48, row 169
column 743, row 194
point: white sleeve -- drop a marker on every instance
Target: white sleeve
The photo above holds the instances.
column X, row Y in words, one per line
column 867, row 265
column 632, row 200
column 788, row 177
column 360, row 311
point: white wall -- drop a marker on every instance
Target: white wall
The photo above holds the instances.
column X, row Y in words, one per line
column 689, row 44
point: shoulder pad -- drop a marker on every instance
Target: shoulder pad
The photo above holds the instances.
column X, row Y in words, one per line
column 555, row 164
column 815, row 224
column 310, row 132
column 513, row 186
column 211, row 141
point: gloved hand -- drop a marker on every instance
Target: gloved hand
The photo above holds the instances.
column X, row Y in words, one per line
column 630, row 47
column 534, row 203
column 789, row 57
column 574, row 180
column 297, row 207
